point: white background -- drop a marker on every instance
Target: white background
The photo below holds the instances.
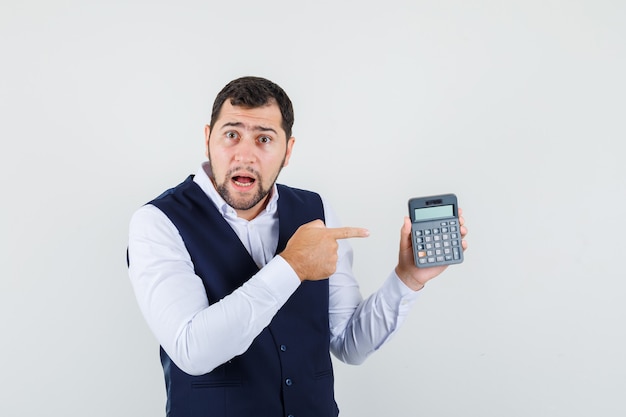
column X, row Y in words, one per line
column 518, row 107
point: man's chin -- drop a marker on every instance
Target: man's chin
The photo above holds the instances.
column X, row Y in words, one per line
column 241, row 201
column 242, row 198
column 243, row 205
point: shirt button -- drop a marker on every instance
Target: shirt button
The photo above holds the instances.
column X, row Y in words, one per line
column 288, row 382
column 283, row 348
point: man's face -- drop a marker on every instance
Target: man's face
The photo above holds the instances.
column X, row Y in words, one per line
column 247, row 148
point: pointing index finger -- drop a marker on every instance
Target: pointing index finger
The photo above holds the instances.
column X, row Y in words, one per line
column 348, row 232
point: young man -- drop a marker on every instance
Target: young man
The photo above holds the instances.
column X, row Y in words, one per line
column 247, row 284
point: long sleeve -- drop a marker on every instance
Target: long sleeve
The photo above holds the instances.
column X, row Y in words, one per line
column 359, row 327
column 198, row 337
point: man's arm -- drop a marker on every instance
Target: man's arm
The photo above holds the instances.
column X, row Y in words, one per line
column 172, row 298
column 360, row 327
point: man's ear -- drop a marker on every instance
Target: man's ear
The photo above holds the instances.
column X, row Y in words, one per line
column 207, row 135
column 290, row 143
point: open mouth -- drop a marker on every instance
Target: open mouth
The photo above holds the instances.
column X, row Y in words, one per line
column 243, row 181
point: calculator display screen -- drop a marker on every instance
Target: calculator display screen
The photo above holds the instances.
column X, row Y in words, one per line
column 433, row 212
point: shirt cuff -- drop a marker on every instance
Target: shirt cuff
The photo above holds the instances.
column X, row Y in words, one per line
column 280, row 278
column 396, row 290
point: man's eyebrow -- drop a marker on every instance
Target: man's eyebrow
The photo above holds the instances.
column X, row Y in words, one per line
column 257, row 127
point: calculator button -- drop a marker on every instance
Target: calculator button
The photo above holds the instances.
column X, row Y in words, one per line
column 437, row 242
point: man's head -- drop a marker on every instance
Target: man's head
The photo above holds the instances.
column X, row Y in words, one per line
column 249, row 142
column 255, row 92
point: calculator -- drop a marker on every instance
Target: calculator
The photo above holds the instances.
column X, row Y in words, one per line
column 435, row 230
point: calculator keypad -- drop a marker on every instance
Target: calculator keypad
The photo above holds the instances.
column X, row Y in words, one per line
column 437, row 243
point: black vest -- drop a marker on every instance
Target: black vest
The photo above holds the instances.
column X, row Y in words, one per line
column 287, row 371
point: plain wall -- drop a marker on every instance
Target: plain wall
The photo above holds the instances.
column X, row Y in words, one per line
column 518, row 107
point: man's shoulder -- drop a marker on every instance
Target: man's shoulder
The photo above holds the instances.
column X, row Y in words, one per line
column 282, row 187
column 299, row 193
column 188, row 182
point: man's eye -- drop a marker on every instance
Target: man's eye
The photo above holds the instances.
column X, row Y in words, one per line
column 265, row 139
column 231, row 135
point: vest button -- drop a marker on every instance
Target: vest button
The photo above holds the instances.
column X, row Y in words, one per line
column 283, row 348
column 288, row 382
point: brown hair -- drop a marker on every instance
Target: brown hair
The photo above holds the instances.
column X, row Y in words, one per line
column 254, row 92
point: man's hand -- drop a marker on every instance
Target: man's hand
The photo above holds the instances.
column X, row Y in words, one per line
column 414, row 277
column 312, row 250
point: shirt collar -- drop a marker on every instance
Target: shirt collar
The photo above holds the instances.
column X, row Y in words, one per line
column 203, row 179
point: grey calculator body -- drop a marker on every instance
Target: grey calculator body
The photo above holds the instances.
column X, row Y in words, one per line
column 435, row 230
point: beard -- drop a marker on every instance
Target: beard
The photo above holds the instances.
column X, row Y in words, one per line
column 243, row 202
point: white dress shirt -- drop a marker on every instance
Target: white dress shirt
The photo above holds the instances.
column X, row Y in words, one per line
column 198, row 337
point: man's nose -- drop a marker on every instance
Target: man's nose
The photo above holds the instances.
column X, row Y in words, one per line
column 245, row 151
